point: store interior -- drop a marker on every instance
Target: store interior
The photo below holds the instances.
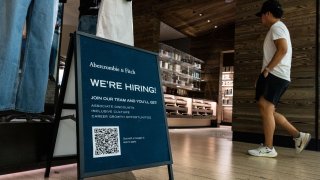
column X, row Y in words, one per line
column 189, row 73
column 209, row 55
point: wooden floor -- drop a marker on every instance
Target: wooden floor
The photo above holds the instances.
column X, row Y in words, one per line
column 203, row 154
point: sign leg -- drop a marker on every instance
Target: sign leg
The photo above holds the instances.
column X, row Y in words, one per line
column 170, row 172
column 58, row 110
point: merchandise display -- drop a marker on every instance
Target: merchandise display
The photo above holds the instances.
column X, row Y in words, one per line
column 189, row 112
column 178, row 69
column 202, row 108
column 176, row 105
column 181, row 73
column 227, row 86
column 24, row 87
column 227, row 76
column 184, row 107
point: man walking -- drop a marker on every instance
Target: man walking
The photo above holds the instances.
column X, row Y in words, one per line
column 274, row 80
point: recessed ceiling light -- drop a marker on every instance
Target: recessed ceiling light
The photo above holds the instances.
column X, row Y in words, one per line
column 215, row 27
column 200, row 14
column 208, row 20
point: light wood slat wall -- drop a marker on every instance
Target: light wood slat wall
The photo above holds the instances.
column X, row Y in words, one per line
column 298, row 103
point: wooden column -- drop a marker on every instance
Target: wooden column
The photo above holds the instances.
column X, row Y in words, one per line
column 146, row 25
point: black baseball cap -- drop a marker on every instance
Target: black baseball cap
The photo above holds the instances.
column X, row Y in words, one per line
column 272, row 6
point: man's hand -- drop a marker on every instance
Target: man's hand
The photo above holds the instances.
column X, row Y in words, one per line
column 265, row 73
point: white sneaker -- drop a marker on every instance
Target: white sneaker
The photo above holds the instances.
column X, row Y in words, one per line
column 302, row 141
column 263, row 151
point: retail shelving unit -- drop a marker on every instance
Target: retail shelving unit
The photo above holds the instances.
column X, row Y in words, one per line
column 227, row 86
column 227, row 93
column 182, row 72
column 185, row 111
column 177, row 106
column 203, row 108
column 179, row 70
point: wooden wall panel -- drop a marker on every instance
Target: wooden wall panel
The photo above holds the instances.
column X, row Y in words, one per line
column 146, row 25
column 298, row 103
column 318, row 67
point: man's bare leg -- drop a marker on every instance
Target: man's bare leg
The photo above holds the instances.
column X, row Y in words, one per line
column 285, row 124
column 267, row 110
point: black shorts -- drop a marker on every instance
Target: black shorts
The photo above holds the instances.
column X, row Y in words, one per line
column 271, row 88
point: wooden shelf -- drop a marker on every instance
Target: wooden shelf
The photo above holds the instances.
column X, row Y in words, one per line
column 176, row 108
column 179, row 70
column 184, row 107
column 202, row 110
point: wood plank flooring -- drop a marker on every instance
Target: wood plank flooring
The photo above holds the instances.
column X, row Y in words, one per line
column 207, row 154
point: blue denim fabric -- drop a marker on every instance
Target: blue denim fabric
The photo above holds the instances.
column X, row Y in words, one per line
column 88, row 24
column 54, row 52
column 56, row 40
column 25, row 92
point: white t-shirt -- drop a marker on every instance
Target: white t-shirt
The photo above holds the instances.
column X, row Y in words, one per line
column 278, row 31
column 115, row 21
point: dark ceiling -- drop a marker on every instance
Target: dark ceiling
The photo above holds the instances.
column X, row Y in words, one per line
column 196, row 17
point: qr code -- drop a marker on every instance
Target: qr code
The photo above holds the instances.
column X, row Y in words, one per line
column 106, row 141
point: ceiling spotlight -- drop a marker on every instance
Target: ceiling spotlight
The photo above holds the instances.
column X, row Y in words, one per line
column 208, row 20
column 200, row 14
column 215, row 27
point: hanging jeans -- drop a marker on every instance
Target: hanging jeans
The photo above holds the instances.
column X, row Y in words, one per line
column 25, row 91
column 56, row 40
column 54, row 53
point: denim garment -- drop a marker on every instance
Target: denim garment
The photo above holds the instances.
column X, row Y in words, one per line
column 25, row 92
column 54, row 52
column 56, row 39
column 88, row 24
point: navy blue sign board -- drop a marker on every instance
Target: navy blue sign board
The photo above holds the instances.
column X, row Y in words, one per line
column 122, row 123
